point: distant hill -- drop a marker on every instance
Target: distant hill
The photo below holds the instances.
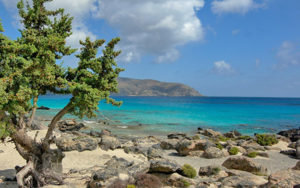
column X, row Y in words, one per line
column 135, row 87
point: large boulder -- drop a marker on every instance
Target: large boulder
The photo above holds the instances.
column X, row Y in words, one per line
column 109, row 142
column 284, row 178
column 69, row 142
column 213, row 152
column 184, row 147
column 168, row 144
column 232, row 134
column 211, row 133
column 163, row 166
column 297, row 167
column 116, row 168
column 243, row 179
column 292, row 134
column 176, row 136
column 244, row 164
column 69, row 125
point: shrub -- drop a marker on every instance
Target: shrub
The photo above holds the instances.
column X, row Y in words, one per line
column 148, row 181
column 223, row 138
column 233, row 151
column 266, row 139
column 218, row 145
column 130, row 186
column 252, row 154
column 188, row 171
column 245, row 137
column 185, row 183
column 215, row 170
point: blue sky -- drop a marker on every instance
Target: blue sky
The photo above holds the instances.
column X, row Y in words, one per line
column 219, row 47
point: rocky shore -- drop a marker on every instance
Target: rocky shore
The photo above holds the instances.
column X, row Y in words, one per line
column 206, row 159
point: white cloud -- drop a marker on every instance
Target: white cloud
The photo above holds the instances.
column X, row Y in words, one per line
column 79, row 9
column 221, row 67
column 146, row 27
column 153, row 27
column 234, row 6
column 288, row 54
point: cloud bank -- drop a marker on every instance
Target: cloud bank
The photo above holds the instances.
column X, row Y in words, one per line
column 146, row 27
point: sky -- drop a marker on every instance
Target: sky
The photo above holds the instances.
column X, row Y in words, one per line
column 219, row 47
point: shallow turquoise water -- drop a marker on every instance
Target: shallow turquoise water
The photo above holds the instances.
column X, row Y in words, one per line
column 185, row 114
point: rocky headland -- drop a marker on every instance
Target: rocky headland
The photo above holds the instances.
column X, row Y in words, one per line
column 206, row 159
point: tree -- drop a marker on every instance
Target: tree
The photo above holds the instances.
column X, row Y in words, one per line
column 29, row 68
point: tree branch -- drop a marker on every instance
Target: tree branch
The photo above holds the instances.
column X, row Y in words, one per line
column 54, row 121
column 35, row 99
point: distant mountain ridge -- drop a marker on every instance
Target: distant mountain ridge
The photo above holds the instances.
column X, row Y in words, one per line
column 147, row 87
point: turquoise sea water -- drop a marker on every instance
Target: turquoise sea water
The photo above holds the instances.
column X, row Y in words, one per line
column 185, row 114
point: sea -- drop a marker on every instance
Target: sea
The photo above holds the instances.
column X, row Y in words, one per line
column 163, row 115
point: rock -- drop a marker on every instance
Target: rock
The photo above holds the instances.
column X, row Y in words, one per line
column 184, row 147
column 244, row 164
column 116, row 168
column 68, row 142
column 272, row 148
column 70, row 125
column 243, row 179
column 176, row 180
column 197, row 153
column 109, row 142
column 153, row 153
column 298, row 149
column 263, row 154
column 297, row 167
column 292, row 134
column 105, row 132
column 210, row 170
column 95, row 134
column 1, row 151
column 147, row 181
column 211, row 133
column 176, row 136
column 43, row 108
column 163, row 166
column 292, row 145
column 231, row 143
column 232, row 134
column 250, row 144
column 214, row 152
column 168, row 144
column 284, row 178
column 37, row 125
column 291, row 152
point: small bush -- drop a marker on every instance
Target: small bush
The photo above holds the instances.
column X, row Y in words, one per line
column 148, row 181
column 252, row 154
column 185, row 183
column 218, row 145
column 266, row 140
column 215, row 171
column 233, row 151
column 223, row 138
column 245, row 137
column 130, row 186
column 188, row 171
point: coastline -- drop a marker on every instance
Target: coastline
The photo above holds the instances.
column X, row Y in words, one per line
column 79, row 166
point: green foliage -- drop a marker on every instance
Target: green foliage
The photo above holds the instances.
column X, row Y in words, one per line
column 130, row 186
column 5, row 130
column 218, row 145
column 185, row 183
column 266, row 139
column 252, row 154
column 234, row 151
column 189, row 171
column 29, row 65
column 215, row 170
column 244, row 137
column 223, row 138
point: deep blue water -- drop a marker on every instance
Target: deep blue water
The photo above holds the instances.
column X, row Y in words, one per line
column 185, row 114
